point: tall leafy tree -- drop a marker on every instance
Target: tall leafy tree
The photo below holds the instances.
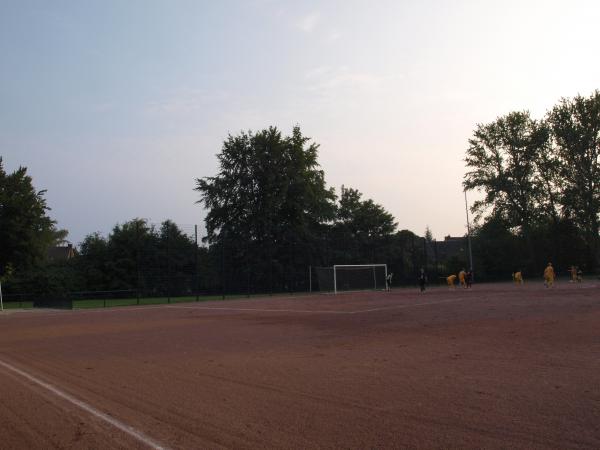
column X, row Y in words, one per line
column 575, row 125
column 26, row 230
column 266, row 181
column 501, row 161
column 362, row 228
column 269, row 200
column 546, row 177
column 504, row 162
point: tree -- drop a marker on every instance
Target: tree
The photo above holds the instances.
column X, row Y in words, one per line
column 265, row 181
column 136, row 255
column 26, row 231
column 268, row 202
column 361, row 229
column 94, row 262
column 504, row 158
column 498, row 252
column 406, row 256
column 575, row 125
column 428, row 235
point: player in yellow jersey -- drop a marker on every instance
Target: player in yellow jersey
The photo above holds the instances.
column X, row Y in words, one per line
column 573, row 272
column 549, row 275
column 462, row 278
column 518, row 277
column 451, row 280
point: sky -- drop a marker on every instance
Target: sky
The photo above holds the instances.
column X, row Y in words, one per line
column 116, row 107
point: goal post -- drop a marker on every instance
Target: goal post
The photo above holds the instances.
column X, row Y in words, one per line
column 351, row 277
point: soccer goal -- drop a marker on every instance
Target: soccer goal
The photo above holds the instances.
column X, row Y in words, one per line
column 350, row 277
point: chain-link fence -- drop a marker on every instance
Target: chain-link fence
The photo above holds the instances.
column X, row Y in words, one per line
column 140, row 262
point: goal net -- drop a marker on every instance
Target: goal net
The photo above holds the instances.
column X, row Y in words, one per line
column 351, row 277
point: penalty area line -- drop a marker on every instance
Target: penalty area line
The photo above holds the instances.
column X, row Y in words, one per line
column 307, row 311
column 140, row 436
column 411, row 305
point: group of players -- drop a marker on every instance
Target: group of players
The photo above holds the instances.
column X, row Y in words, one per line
column 465, row 278
column 550, row 275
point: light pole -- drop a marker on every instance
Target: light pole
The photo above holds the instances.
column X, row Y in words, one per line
column 469, row 237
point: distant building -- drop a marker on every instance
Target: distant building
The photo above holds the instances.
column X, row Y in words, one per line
column 450, row 247
column 61, row 253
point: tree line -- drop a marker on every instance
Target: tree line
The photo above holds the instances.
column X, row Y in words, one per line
column 540, row 180
column 271, row 215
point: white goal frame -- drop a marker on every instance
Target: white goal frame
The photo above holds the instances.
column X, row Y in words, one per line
column 373, row 266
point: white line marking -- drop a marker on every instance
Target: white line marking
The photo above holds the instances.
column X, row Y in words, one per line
column 324, row 311
column 90, row 409
column 306, row 311
column 412, row 305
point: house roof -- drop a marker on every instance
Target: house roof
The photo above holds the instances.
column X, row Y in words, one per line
column 61, row 253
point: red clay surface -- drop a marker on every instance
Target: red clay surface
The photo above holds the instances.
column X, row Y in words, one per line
column 494, row 367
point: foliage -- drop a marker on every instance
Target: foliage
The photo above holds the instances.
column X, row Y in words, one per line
column 575, row 125
column 501, row 161
column 267, row 183
column 428, row 235
column 541, row 186
column 361, row 230
column 136, row 255
column 268, row 203
column 26, row 231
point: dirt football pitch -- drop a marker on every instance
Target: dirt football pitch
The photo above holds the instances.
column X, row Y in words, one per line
column 498, row 366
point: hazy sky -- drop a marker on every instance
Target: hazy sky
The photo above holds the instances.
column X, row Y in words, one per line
column 115, row 107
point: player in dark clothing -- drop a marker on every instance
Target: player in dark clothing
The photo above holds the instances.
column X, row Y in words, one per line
column 388, row 281
column 469, row 278
column 422, row 279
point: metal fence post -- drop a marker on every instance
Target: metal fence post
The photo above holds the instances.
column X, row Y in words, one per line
column 196, row 262
column 223, row 264
column 137, row 258
column 168, row 262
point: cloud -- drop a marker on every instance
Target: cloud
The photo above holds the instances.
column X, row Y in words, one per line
column 325, row 78
column 334, row 35
column 309, row 22
column 184, row 101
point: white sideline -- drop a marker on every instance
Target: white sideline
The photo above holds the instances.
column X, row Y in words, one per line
column 90, row 409
column 223, row 308
column 323, row 311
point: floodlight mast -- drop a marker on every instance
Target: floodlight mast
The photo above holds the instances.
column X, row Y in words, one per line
column 469, row 238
